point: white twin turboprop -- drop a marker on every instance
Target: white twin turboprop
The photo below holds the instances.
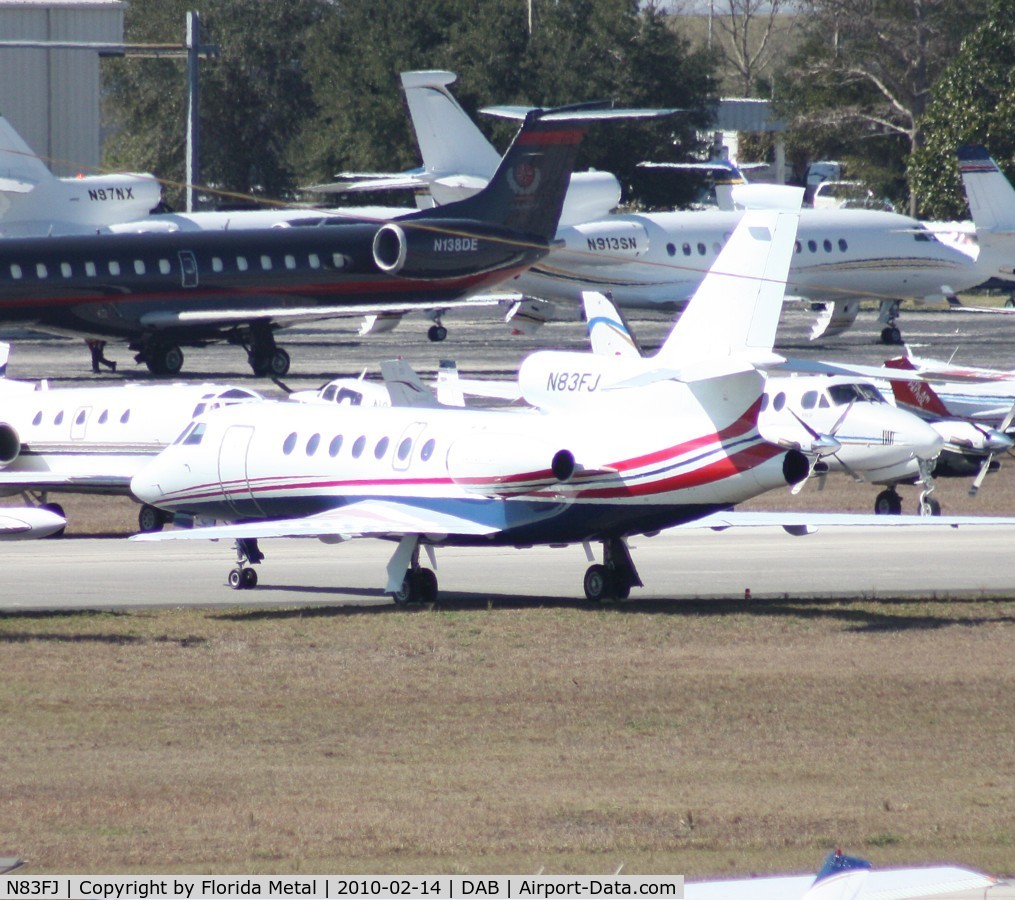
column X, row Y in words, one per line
column 671, row 440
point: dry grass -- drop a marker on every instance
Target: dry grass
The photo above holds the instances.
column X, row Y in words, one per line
column 673, row 738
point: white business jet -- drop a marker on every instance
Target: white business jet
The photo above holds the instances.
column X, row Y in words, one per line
column 674, row 442
column 33, row 201
column 657, row 259
column 92, row 440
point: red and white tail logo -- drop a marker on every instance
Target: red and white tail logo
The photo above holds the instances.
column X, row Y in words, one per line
column 915, row 394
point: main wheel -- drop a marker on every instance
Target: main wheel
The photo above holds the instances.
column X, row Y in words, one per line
column 248, row 579
column 598, row 584
column 164, row 359
column 150, row 519
column 437, row 333
column 278, row 363
column 887, row 503
column 891, row 335
column 426, row 586
column 236, row 579
column 406, row 593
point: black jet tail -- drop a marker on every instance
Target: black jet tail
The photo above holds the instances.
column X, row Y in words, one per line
column 526, row 193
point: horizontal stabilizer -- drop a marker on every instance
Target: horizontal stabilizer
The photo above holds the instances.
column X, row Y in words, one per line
column 576, row 114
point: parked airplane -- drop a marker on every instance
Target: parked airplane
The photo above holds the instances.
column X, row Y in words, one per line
column 651, row 259
column 33, row 201
column 971, row 408
column 674, row 441
column 841, row 423
column 162, row 290
column 93, row 440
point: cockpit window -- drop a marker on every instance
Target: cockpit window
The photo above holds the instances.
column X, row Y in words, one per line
column 196, row 435
column 184, row 433
column 842, row 394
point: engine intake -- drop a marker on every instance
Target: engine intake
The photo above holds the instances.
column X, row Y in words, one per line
column 447, row 248
column 10, row 444
column 502, row 464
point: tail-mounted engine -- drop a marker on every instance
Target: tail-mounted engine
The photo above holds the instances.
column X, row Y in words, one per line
column 497, row 465
column 10, row 445
column 446, row 248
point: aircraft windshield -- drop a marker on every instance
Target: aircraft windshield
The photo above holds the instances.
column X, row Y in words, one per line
column 842, row 394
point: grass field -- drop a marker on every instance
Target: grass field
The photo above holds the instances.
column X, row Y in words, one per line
column 694, row 738
column 697, row 738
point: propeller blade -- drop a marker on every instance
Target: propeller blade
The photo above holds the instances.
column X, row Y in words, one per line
column 978, row 480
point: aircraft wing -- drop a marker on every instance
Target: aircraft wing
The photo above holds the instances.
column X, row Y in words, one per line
column 283, row 315
column 818, row 367
column 56, row 481
column 365, row 518
column 799, row 523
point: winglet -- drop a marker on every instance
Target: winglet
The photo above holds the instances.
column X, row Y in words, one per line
column 840, row 878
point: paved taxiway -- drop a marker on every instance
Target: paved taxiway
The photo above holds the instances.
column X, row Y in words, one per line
column 676, row 565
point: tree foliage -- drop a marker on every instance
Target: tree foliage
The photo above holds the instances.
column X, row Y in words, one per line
column 307, row 88
column 973, row 102
column 862, row 78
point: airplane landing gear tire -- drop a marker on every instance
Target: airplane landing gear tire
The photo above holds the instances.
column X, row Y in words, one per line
column 891, row 335
column 437, row 333
column 274, row 362
column 150, row 519
column 599, row 587
column 418, row 586
column 163, row 359
column 242, row 579
column 887, row 503
column 931, row 506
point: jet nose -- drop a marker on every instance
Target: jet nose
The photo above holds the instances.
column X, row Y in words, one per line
column 145, row 487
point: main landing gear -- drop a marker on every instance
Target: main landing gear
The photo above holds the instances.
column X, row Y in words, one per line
column 616, row 576
column 264, row 356
column 419, row 584
column 243, row 578
column 161, row 357
column 437, row 332
column 889, row 312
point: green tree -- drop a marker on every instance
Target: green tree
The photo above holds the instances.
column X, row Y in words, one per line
column 973, row 102
column 862, row 78
column 254, row 96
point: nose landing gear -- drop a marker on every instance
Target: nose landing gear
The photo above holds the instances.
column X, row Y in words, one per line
column 243, row 578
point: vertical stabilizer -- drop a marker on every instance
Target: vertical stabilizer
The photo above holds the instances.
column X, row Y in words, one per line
column 917, row 396
column 449, row 141
column 735, row 310
column 20, row 169
column 990, row 195
column 526, row 193
column 609, row 333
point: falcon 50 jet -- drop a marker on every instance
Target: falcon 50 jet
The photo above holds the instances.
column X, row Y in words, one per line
column 670, row 440
column 160, row 291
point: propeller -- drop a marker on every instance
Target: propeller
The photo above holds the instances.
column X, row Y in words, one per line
column 995, row 441
column 823, row 445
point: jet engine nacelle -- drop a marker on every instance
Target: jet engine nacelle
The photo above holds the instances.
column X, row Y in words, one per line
column 443, row 248
column 602, row 243
column 10, row 444
column 497, row 465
